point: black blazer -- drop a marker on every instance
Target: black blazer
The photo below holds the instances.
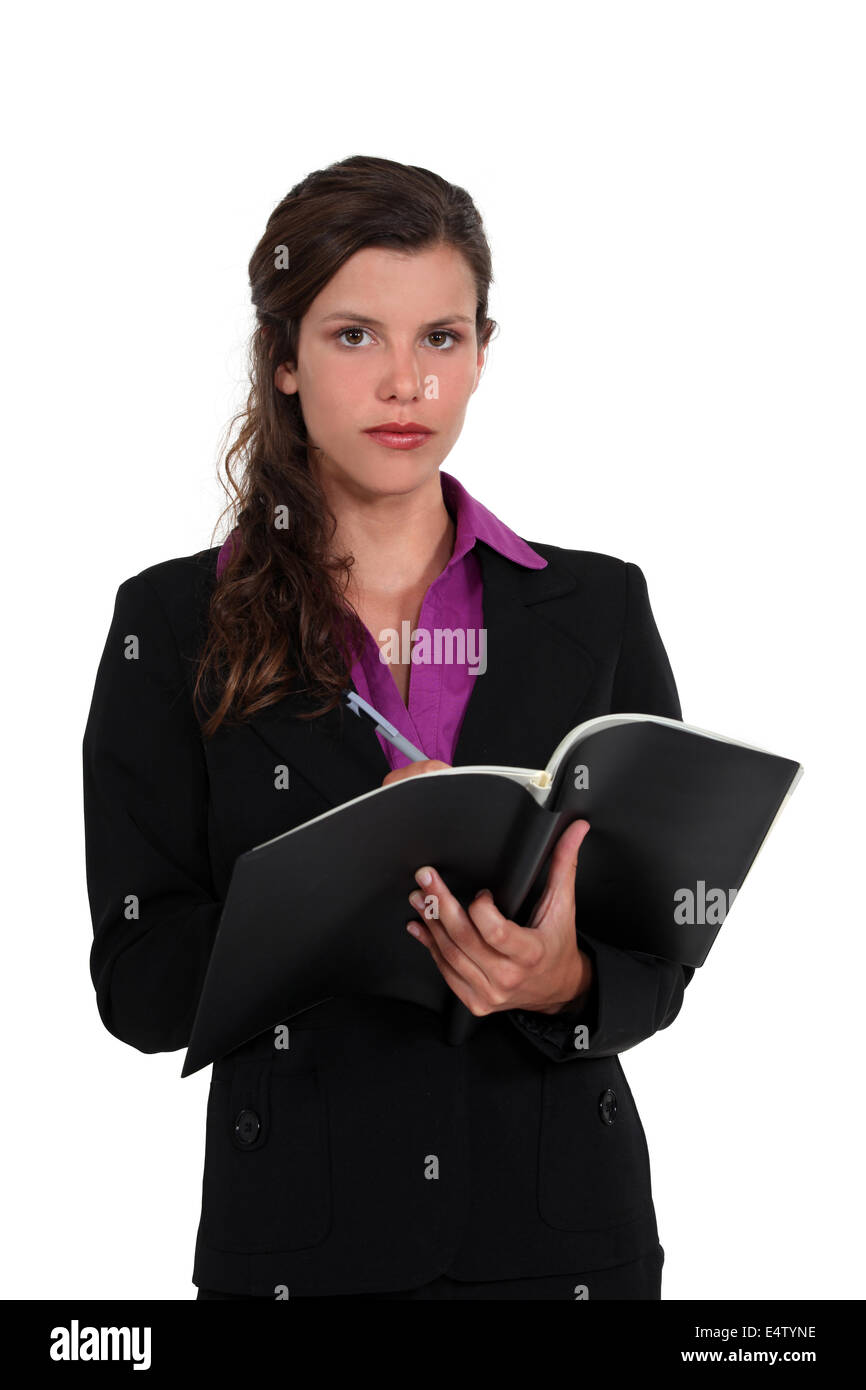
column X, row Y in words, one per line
column 370, row 1155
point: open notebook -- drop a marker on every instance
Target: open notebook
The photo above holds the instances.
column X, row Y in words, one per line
column 677, row 816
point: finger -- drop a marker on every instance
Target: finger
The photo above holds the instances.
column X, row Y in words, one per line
column 397, row 774
column 458, row 932
column 474, row 1001
column 563, row 862
column 563, row 865
column 453, row 932
column 491, row 973
column 439, row 903
column 503, row 939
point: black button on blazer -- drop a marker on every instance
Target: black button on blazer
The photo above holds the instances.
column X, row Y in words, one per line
column 369, row 1154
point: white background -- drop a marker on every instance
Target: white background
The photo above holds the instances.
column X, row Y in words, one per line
column 674, row 198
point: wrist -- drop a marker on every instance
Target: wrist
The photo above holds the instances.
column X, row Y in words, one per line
column 579, row 986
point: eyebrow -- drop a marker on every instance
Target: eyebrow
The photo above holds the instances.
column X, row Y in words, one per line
column 377, row 323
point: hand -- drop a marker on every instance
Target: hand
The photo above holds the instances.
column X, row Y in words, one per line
column 492, row 963
column 413, row 769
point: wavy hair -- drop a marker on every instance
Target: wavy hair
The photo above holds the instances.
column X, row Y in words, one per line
column 278, row 620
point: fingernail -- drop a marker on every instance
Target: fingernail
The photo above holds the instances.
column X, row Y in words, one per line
column 424, row 877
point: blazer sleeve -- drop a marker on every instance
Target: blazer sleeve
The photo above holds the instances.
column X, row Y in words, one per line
column 633, row 994
column 152, row 900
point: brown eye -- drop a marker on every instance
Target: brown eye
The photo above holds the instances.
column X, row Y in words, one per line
column 344, row 331
column 444, row 333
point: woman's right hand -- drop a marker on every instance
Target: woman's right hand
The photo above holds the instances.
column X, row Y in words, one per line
column 413, row 769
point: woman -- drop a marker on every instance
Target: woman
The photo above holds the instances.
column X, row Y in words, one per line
column 369, row 1158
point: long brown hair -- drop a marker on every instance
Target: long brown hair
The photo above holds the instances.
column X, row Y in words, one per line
column 277, row 614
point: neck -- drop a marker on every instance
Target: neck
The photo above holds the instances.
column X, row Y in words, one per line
column 401, row 541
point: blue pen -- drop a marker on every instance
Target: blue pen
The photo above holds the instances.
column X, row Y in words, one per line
column 359, row 707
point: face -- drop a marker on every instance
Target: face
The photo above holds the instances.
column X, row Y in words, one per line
column 390, row 339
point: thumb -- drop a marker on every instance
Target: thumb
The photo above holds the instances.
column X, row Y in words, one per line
column 563, row 863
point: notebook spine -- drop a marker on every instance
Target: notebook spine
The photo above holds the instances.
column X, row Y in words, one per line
column 525, row 853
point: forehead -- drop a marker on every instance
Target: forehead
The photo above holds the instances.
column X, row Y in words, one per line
column 437, row 279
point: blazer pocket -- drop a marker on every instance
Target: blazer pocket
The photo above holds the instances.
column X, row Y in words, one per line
column 267, row 1184
column 593, row 1163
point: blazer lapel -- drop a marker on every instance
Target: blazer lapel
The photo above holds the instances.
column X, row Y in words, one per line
column 528, row 697
column 536, row 674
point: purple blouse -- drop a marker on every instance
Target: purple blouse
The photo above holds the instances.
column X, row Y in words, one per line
column 448, row 647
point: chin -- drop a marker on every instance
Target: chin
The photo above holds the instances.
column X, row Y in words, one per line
column 394, row 471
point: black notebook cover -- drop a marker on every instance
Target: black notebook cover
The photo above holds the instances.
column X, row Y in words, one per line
column 677, row 816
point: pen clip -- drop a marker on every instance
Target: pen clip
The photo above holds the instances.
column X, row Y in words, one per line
column 358, row 706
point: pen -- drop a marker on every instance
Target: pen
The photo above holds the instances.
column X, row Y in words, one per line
column 360, row 707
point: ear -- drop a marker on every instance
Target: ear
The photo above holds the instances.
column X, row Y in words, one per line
column 285, row 379
column 479, row 367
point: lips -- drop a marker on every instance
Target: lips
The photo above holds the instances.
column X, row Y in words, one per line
column 396, row 436
column 395, row 427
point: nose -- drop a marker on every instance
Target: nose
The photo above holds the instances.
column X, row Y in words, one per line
column 402, row 376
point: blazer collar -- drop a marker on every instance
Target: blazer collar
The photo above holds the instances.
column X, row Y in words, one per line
column 526, row 700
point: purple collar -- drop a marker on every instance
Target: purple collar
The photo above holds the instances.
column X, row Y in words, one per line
column 474, row 523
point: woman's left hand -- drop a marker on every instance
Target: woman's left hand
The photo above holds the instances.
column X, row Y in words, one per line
column 492, row 963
